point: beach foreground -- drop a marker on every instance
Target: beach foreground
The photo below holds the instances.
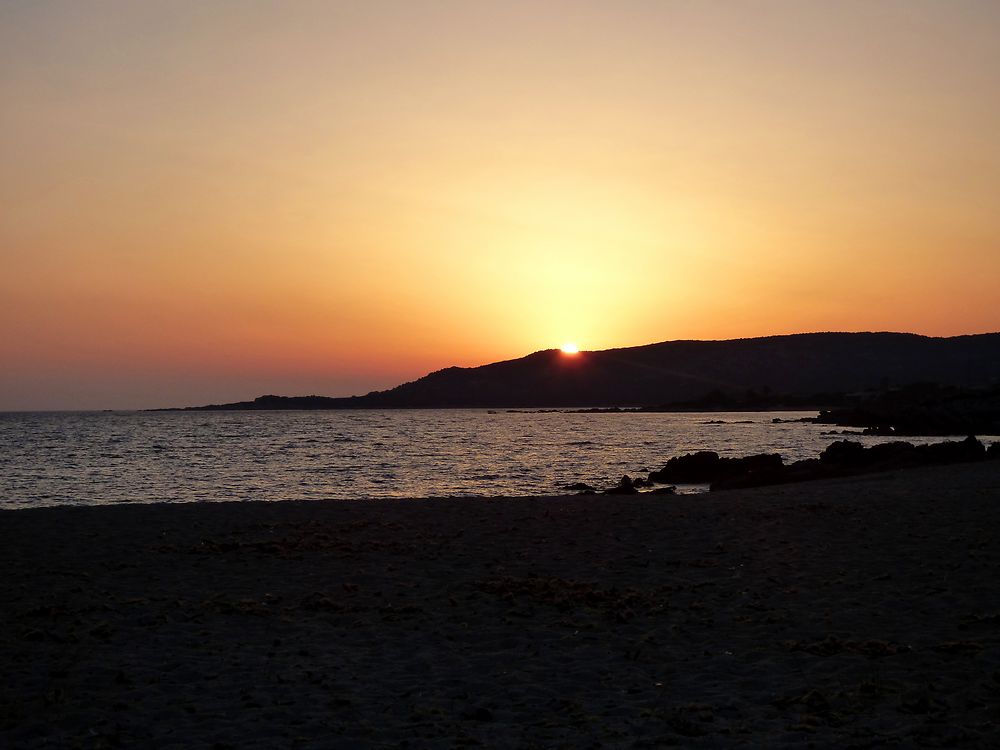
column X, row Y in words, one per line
column 849, row 613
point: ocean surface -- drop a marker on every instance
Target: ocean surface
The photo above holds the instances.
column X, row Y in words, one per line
column 91, row 458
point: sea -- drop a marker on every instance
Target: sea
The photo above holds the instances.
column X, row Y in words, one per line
column 98, row 458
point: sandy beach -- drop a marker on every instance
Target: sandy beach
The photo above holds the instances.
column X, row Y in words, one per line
column 851, row 613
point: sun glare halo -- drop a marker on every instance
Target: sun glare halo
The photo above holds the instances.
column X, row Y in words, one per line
column 569, row 348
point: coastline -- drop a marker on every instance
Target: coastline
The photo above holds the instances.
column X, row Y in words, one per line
column 847, row 612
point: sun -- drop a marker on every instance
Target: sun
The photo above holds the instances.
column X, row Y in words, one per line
column 569, row 348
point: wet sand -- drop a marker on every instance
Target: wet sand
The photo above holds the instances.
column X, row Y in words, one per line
column 851, row 613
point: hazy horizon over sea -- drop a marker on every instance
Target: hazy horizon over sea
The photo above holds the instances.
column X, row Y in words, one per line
column 93, row 458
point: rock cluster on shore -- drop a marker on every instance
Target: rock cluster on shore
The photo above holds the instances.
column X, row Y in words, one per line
column 840, row 459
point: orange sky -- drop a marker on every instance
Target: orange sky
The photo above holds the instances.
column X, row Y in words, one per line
column 209, row 201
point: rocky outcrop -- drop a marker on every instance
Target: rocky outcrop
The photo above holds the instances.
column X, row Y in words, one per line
column 707, row 467
column 625, row 486
column 847, row 458
column 841, row 458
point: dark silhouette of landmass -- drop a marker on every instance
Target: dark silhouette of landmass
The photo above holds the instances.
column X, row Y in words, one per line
column 922, row 409
column 674, row 372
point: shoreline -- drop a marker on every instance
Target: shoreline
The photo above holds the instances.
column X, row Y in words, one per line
column 854, row 611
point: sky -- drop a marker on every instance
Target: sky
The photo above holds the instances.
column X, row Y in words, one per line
column 208, row 201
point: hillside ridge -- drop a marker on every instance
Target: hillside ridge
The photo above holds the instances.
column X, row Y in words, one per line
column 795, row 365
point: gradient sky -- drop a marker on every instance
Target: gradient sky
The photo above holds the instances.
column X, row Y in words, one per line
column 205, row 201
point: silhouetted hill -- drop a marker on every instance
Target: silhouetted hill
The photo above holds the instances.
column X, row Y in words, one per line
column 677, row 371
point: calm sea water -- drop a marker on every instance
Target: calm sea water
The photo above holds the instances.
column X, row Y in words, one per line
column 87, row 458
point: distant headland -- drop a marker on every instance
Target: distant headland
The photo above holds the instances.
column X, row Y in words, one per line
column 810, row 370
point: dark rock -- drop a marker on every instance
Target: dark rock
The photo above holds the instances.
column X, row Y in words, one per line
column 804, row 470
column 709, row 468
column 693, row 468
column 843, row 453
column 969, row 449
column 758, row 463
column 892, row 455
column 751, row 471
column 625, row 486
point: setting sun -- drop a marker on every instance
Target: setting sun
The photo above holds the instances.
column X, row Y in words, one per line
column 514, row 173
